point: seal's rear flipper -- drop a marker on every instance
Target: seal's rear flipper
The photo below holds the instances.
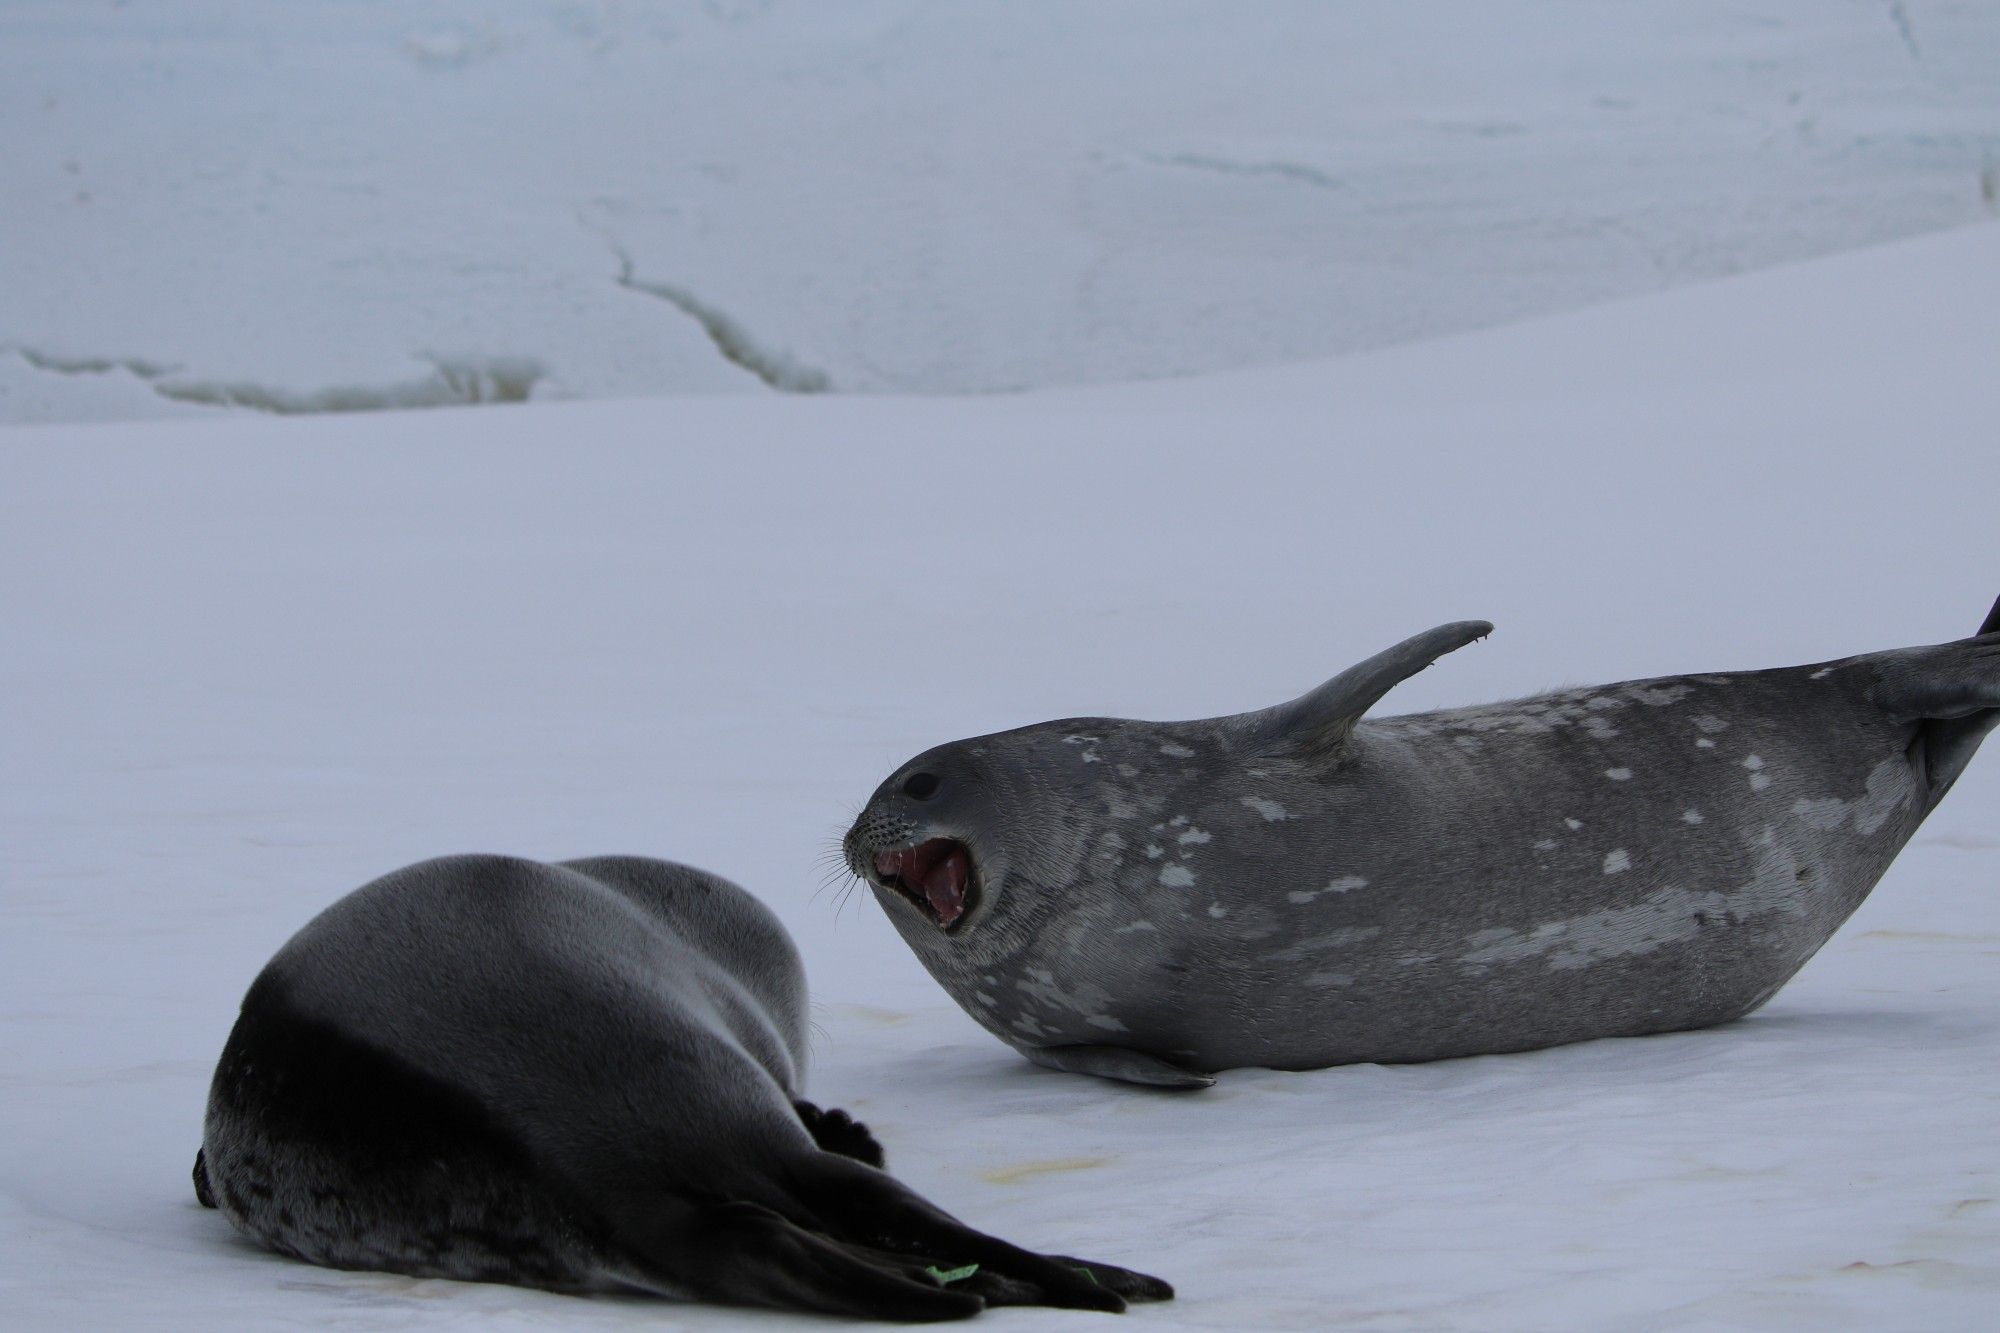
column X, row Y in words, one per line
column 832, row 1234
column 874, row 1213
column 1952, row 691
column 1121, row 1064
column 1321, row 719
column 747, row 1254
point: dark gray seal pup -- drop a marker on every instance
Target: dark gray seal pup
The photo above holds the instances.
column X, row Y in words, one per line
column 1299, row 887
column 578, row 1076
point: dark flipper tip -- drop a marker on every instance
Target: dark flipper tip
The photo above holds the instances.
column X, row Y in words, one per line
column 204, row 1195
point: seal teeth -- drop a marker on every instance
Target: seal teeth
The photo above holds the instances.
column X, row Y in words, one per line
column 936, row 875
column 945, row 883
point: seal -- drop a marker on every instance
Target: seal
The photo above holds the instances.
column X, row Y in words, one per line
column 578, row 1076
column 1300, row 887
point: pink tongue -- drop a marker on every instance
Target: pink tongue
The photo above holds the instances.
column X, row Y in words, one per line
column 944, row 886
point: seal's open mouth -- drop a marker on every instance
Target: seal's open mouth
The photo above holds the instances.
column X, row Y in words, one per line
column 935, row 875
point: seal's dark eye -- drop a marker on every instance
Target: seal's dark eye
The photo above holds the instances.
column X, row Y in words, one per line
column 920, row 786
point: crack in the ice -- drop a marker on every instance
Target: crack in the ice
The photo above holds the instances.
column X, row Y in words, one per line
column 1291, row 171
column 1900, row 16
column 91, row 365
column 774, row 368
column 453, row 382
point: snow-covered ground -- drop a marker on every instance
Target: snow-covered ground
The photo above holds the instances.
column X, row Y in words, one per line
column 324, row 204
column 247, row 664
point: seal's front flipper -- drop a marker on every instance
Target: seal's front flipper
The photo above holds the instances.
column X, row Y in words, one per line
column 1116, row 1062
column 1321, row 719
column 834, row 1130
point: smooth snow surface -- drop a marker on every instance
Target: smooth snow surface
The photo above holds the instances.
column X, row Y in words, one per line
column 249, row 664
column 317, row 205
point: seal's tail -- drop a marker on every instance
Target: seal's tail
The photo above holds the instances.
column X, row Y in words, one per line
column 841, row 1237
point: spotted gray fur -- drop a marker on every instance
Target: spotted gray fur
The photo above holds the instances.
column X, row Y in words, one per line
column 1300, row 887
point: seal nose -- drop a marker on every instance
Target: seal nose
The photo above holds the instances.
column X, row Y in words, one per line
column 920, row 786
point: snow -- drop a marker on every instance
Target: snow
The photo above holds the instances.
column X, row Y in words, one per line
column 250, row 663
column 315, row 205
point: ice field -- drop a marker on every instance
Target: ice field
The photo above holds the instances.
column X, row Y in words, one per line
column 251, row 663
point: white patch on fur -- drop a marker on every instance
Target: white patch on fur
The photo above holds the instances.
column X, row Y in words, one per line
column 1217, row 910
column 1709, row 722
column 1889, row 789
column 1573, row 824
column 1692, row 817
column 1176, row 876
column 1344, row 884
column 1617, row 861
column 1176, row 751
column 1668, row 916
column 1081, row 998
column 1705, row 743
column 1196, row 835
column 1333, row 939
column 1618, row 774
column 1266, row 807
column 1107, row 1022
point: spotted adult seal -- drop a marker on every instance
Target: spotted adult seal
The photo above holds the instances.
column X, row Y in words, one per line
column 1300, row 887
column 576, row 1076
